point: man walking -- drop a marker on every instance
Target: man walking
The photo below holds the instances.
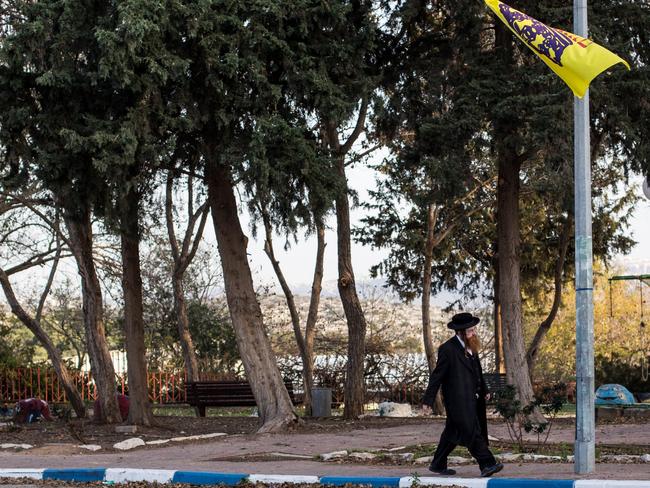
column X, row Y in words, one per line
column 464, row 392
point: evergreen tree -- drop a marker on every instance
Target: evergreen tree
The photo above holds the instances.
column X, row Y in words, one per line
column 437, row 171
column 223, row 105
column 52, row 99
column 521, row 113
column 340, row 51
column 292, row 189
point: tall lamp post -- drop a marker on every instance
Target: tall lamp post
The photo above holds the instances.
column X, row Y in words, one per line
column 585, row 461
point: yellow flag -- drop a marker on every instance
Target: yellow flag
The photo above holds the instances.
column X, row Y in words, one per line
column 573, row 58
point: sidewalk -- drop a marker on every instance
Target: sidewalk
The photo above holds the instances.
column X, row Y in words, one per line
column 216, row 455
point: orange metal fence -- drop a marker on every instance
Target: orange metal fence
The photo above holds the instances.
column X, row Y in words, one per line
column 167, row 387
column 19, row 383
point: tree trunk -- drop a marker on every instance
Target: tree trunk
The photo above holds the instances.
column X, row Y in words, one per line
column 354, row 374
column 544, row 327
column 101, row 363
column 273, row 402
column 509, row 277
column 183, row 322
column 306, row 352
column 183, row 256
column 429, row 349
column 508, row 239
column 355, row 368
column 44, row 339
column 312, row 316
column 139, row 407
column 499, row 362
column 291, row 303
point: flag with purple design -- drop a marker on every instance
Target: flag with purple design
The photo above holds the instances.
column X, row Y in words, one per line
column 573, row 58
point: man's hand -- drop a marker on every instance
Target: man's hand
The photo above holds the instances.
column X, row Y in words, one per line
column 488, row 396
column 426, row 410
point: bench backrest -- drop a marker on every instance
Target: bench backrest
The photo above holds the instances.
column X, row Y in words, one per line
column 495, row 381
column 223, row 393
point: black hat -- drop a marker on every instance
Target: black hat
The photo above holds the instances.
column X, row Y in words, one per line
column 463, row 320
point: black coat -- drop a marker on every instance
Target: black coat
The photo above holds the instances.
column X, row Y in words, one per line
column 461, row 378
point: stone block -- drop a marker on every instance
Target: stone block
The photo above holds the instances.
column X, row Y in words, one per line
column 127, row 444
column 329, row 456
column 391, row 409
column 90, row 447
column 424, row 460
column 363, row 456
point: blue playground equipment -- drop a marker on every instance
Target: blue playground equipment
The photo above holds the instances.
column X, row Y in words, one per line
column 614, row 394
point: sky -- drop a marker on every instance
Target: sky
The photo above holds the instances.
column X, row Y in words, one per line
column 298, row 262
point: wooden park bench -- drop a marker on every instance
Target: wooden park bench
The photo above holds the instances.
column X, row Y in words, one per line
column 202, row 394
column 496, row 382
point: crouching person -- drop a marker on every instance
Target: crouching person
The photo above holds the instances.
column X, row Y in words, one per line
column 31, row 410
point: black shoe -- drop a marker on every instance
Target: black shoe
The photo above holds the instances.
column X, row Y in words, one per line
column 490, row 470
column 443, row 472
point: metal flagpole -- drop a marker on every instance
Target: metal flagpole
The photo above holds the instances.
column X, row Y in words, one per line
column 585, row 461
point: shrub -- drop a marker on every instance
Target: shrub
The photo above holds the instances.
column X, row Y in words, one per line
column 621, row 370
column 519, row 418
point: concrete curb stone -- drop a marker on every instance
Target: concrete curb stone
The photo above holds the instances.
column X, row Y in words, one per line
column 118, row 475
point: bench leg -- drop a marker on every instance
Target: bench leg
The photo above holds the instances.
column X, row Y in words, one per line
column 200, row 410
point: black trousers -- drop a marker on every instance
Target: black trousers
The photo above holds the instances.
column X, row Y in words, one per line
column 478, row 449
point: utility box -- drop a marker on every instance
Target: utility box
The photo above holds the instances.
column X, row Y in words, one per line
column 321, row 402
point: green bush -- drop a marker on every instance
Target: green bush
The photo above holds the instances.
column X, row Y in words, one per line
column 622, row 370
column 519, row 419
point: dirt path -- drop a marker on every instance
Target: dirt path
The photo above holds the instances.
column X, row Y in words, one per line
column 213, row 455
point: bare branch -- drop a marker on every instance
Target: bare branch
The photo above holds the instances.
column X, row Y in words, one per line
column 469, row 194
column 190, row 197
column 199, row 234
column 359, row 157
column 361, row 123
column 189, row 232
column 169, row 216
column 48, row 285
column 37, row 260
column 545, row 326
column 53, row 225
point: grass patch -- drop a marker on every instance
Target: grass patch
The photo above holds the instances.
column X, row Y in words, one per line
column 187, row 411
column 561, row 449
column 568, row 408
column 424, row 450
column 181, row 410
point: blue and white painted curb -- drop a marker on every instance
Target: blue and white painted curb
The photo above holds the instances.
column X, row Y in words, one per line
column 122, row 475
